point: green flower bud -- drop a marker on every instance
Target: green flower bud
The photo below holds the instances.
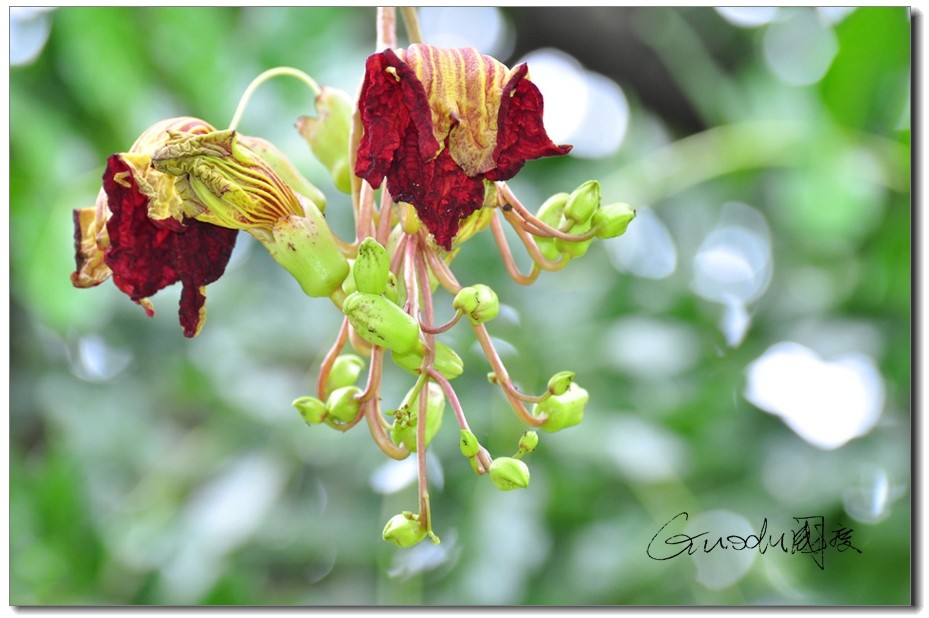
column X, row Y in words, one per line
column 527, row 442
column 380, row 322
column 344, row 371
column 558, row 384
column 583, row 202
column 348, row 285
column 371, row 267
column 358, row 344
column 478, row 302
column 508, row 473
column 565, row 410
column 406, row 418
column 480, row 218
column 311, row 409
column 392, row 293
column 411, row 361
column 306, row 248
column 612, row 220
column 343, row 403
column 552, row 209
column 446, row 362
column 328, row 135
column 468, row 443
column 572, row 248
column 404, row 530
column 551, row 213
column 548, row 248
column 409, row 220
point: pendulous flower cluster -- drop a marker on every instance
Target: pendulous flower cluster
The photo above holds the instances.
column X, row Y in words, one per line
column 445, row 128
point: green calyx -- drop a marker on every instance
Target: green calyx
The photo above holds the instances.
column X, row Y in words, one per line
column 551, row 213
column 446, row 361
column 582, row 203
column 527, row 443
column 312, row 410
column 406, row 418
column 343, row 403
column 508, row 473
column 328, row 134
column 404, row 530
column 468, row 443
column 344, row 371
column 380, row 322
column 478, row 302
column 559, row 383
column 306, row 248
column 371, row 268
column 612, row 220
column 565, row 410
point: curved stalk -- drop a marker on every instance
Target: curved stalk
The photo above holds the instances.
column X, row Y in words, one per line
column 531, row 246
column 539, row 227
column 261, row 79
column 503, row 378
column 377, row 426
column 329, row 360
column 507, row 255
column 411, row 23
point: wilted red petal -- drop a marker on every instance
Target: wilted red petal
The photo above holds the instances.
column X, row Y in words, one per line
column 439, row 190
column 390, row 109
column 145, row 258
column 400, row 140
column 521, row 135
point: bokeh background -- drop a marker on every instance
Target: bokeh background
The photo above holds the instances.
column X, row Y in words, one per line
column 746, row 344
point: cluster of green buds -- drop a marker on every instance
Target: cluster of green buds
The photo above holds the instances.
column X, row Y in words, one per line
column 384, row 281
column 384, row 284
column 579, row 217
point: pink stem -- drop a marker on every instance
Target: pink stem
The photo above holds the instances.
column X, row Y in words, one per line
column 507, row 255
column 503, row 377
column 541, row 227
column 329, row 360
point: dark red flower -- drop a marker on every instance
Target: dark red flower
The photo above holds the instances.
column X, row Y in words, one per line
column 138, row 231
column 145, row 257
column 438, row 122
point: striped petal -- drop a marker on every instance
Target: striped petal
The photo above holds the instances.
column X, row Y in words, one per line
column 438, row 122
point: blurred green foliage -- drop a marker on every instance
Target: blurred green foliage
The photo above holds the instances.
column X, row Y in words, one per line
column 149, row 469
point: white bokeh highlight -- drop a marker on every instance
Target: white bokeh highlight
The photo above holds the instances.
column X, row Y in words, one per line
column 747, row 16
column 29, row 30
column 582, row 108
column 645, row 452
column 484, row 28
column 646, row 250
column 720, row 568
column 827, row 403
column 733, row 267
column 395, row 475
column 869, row 501
column 799, row 47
